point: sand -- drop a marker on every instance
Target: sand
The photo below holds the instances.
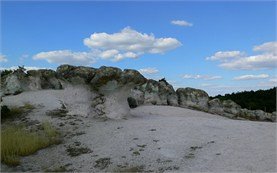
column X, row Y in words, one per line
column 152, row 138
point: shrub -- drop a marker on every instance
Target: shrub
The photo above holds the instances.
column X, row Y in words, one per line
column 5, row 112
column 17, row 141
column 14, row 112
column 5, row 72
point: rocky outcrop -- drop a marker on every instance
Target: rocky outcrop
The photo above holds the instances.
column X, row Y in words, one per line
column 257, row 115
column 114, row 86
column 113, row 91
column 230, row 109
column 20, row 81
column 43, row 79
column 110, row 86
column 193, row 98
column 153, row 92
column 226, row 108
column 76, row 74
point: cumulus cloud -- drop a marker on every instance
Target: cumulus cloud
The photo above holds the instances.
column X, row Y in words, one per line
column 66, row 57
column 267, row 47
column 3, row 58
column 266, row 59
column 251, row 77
column 204, row 77
column 148, row 71
column 27, row 68
column 224, row 55
column 181, row 23
column 129, row 43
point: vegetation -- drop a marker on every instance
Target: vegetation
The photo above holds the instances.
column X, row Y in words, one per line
column 5, row 72
column 76, row 151
column 16, row 141
column 13, row 112
column 262, row 99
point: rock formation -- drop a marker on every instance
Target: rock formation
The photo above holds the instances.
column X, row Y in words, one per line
column 193, row 98
column 20, row 81
column 114, row 91
column 153, row 92
column 113, row 87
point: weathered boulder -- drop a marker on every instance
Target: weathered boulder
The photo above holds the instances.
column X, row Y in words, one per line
column 226, row 108
column 155, row 93
column 43, row 79
column 231, row 107
column 167, row 91
column 19, row 81
column 257, row 115
column 215, row 106
column 76, row 74
column 136, row 97
column 15, row 82
column 193, row 98
column 114, row 86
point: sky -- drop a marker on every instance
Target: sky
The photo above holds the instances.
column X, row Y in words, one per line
column 220, row 47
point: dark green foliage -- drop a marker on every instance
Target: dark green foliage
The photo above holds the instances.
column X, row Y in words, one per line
column 5, row 112
column 14, row 112
column 5, row 72
column 262, row 99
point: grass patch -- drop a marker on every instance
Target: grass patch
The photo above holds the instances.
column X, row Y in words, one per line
column 16, row 141
column 14, row 112
column 59, row 169
column 102, row 163
column 76, row 151
column 57, row 113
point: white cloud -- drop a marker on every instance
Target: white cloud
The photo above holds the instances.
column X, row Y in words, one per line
column 236, row 60
column 27, row 68
column 3, row 58
column 205, row 77
column 267, row 47
column 181, row 23
column 66, row 57
column 109, row 53
column 148, row 71
column 120, row 56
column 207, row 85
column 251, row 77
column 224, row 55
column 263, row 61
column 270, row 83
column 129, row 43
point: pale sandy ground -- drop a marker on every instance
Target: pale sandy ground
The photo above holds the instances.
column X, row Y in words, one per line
column 166, row 138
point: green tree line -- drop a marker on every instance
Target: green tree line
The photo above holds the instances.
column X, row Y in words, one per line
column 262, row 99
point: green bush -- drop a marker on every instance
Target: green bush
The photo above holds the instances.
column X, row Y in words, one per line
column 13, row 112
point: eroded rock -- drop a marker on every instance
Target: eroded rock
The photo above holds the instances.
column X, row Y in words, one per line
column 193, row 98
column 155, row 93
column 114, row 86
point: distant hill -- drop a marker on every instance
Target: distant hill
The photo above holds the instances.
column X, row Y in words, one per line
column 262, row 99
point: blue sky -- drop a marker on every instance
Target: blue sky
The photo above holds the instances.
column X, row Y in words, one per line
column 220, row 47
